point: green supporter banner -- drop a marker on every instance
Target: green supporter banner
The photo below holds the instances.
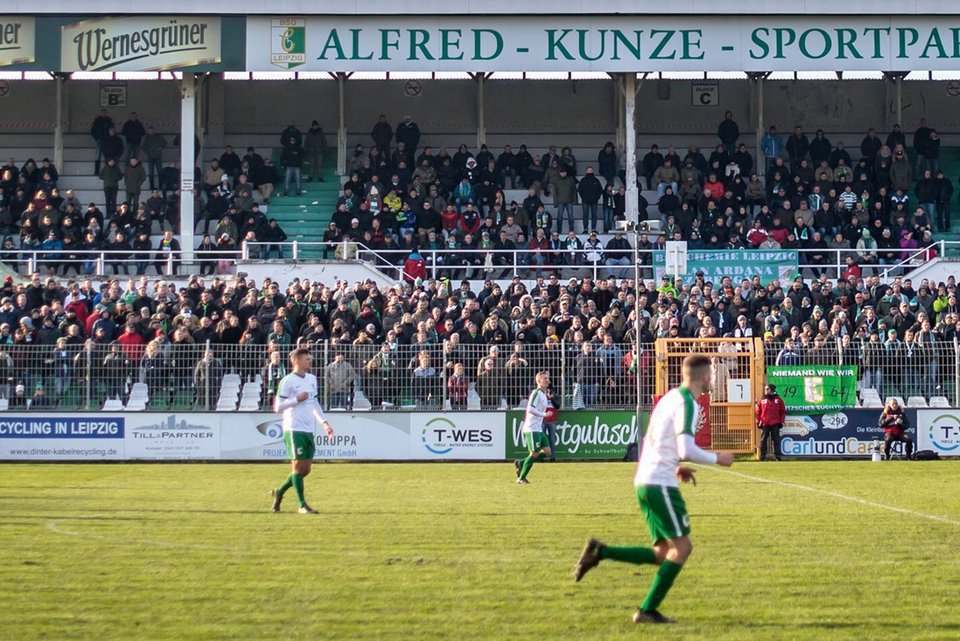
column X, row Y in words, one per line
column 815, row 389
column 738, row 264
column 582, row 434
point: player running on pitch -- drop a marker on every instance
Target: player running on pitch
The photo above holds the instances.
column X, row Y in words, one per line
column 297, row 400
column 533, row 436
column 669, row 440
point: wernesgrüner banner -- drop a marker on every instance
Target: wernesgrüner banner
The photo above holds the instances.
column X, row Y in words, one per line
column 140, row 43
column 780, row 264
column 603, row 43
column 815, row 389
column 17, row 41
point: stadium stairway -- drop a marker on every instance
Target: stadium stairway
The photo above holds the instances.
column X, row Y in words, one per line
column 304, row 218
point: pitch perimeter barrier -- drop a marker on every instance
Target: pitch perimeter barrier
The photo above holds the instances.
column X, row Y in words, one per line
column 258, row 436
column 415, row 436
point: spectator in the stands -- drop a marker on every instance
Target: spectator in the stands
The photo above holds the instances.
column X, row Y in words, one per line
column 382, row 134
column 133, row 133
column 772, row 146
column 153, row 145
column 110, row 174
column 292, row 161
column 315, row 144
column 590, row 191
column 99, row 131
column 133, row 178
column 728, row 132
column 649, row 165
column 230, row 162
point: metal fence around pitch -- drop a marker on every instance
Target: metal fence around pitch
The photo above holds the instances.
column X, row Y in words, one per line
column 163, row 374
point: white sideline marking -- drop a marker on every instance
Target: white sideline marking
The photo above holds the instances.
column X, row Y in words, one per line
column 845, row 497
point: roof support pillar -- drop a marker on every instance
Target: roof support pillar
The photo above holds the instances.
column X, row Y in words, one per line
column 756, row 80
column 188, row 131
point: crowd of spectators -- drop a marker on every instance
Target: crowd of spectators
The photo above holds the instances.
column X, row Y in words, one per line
column 811, row 195
column 404, row 343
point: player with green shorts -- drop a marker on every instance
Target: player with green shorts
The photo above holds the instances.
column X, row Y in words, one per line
column 297, row 401
column 669, row 439
column 534, row 438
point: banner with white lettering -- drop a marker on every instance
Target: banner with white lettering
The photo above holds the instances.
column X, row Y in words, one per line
column 140, row 43
column 602, row 43
column 44, row 436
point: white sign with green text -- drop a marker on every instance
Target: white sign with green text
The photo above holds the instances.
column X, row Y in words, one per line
column 603, row 43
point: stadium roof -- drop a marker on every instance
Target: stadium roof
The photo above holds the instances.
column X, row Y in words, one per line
column 487, row 7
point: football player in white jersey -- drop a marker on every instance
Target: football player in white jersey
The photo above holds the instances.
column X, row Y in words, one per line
column 534, row 437
column 669, row 439
column 297, row 400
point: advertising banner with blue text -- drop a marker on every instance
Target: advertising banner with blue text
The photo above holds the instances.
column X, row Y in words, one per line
column 851, row 433
column 939, row 430
column 43, row 436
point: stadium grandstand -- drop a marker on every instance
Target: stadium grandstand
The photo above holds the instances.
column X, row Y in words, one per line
column 379, row 242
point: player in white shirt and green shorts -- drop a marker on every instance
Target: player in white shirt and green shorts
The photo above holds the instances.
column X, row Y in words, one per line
column 534, row 438
column 669, row 439
column 297, row 401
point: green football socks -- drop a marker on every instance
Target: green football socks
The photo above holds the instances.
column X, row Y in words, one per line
column 286, row 485
column 297, row 481
column 661, row 585
column 527, row 464
column 636, row 556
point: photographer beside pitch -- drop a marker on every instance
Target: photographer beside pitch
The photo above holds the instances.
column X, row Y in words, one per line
column 894, row 422
column 770, row 415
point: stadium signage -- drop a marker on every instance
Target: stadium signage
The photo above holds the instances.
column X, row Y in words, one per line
column 139, row 44
column 582, row 434
column 738, row 264
column 468, row 435
column 939, row 430
column 62, row 437
column 847, row 433
column 17, row 41
column 599, row 43
column 815, row 389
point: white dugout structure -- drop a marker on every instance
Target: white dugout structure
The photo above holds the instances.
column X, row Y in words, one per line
column 472, row 72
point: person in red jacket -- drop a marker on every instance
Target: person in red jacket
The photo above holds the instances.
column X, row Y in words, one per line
column 770, row 415
column 414, row 267
column 450, row 220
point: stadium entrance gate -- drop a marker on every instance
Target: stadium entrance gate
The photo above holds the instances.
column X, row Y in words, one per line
column 737, row 367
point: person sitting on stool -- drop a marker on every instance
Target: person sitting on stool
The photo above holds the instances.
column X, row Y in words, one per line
column 770, row 414
column 894, row 422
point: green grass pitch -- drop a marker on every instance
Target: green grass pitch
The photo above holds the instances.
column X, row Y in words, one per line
column 417, row 552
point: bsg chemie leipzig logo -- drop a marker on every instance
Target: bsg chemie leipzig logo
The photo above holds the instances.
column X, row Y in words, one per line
column 944, row 433
column 441, row 436
column 288, row 42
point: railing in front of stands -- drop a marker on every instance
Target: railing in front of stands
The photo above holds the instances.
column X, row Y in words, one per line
column 457, row 263
column 530, row 263
column 112, row 262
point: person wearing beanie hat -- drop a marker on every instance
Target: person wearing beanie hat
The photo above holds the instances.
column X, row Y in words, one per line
column 770, row 414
